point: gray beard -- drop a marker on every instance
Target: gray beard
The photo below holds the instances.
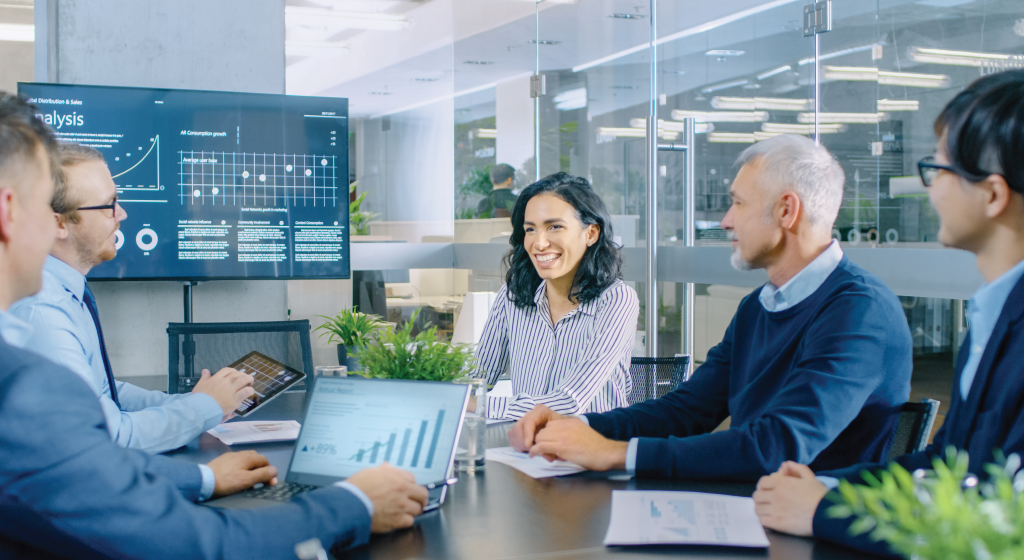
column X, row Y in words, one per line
column 737, row 262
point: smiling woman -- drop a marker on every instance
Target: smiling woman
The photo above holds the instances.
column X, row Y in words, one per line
column 563, row 324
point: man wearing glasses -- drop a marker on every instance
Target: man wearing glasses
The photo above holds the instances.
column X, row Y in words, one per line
column 67, row 326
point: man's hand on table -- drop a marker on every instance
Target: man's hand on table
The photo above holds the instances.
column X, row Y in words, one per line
column 522, row 434
column 396, row 497
column 240, row 470
column 787, row 499
column 570, row 439
column 229, row 387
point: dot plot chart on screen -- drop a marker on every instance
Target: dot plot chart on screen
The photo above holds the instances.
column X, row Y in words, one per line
column 215, row 184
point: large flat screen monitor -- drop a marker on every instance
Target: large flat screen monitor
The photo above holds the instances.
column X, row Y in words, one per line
column 216, row 185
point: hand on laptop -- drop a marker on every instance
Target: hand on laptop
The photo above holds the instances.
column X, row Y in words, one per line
column 229, row 387
column 522, row 434
column 396, row 497
column 240, row 470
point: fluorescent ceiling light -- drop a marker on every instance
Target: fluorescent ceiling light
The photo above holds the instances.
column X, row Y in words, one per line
column 721, row 116
column 897, row 105
column 337, row 19
column 686, row 32
column 958, row 58
column 571, row 99
column 867, row 74
column 636, row 132
column 17, row 32
column 771, row 73
column 726, row 85
column 858, row 118
column 764, row 103
column 484, row 133
column 805, row 61
column 323, row 49
column 723, row 52
column 732, row 138
column 673, row 126
column 783, row 128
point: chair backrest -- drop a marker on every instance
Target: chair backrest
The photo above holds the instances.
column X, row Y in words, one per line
column 193, row 347
column 654, row 377
column 914, row 427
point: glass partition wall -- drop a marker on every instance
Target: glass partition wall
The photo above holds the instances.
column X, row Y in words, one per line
column 569, row 85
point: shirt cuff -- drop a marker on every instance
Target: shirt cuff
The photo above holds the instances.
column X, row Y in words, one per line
column 634, row 443
column 209, row 483
column 208, row 407
column 497, row 406
column 358, row 493
column 828, row 481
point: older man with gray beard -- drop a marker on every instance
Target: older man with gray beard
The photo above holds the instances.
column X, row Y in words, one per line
column 813, row 367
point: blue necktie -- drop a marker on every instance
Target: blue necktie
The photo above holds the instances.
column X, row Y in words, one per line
column 90, row 302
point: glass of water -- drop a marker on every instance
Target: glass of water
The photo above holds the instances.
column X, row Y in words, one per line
column 330, row 371
column 469, row 457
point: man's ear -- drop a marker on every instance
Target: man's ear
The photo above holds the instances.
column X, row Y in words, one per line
column 8, row 214
column 790, row 209
column 999, row 195
column 62, row 226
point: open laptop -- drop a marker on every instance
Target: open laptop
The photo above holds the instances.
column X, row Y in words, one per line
column 353, row 423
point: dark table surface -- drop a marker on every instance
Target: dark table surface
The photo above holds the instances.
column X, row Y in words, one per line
column 502, row 514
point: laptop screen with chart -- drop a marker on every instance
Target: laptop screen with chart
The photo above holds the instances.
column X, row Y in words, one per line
column 215, row 184
column 352, row 424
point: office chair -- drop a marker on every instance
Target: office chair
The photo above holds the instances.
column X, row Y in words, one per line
column 654, row 377
column 914, row 427
column 193, row 347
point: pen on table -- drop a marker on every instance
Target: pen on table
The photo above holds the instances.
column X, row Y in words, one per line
column 440, row 483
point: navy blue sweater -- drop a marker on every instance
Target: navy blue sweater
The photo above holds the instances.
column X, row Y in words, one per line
column 819, row 383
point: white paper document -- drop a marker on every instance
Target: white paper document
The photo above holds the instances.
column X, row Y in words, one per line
column 256, row 432
column 662, row 517
column 537, row 467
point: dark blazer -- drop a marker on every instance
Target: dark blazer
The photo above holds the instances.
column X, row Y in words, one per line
column 992, row 417
column 67, row 490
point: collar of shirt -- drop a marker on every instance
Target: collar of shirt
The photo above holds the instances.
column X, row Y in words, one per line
column 804, row 283
column 13, row 330
column 540, row 299
column 71, row 279
column 983, row 311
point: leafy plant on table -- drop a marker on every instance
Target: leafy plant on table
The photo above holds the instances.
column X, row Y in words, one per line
column 359, row 219
column 397, row 354
column 351, row 328
column 944, row 513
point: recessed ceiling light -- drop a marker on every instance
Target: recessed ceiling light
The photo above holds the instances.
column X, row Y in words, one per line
column 676, row 72
column 477, row 62
column 17, row 32
column 542, row 42
column 771, row 73
column 627, row 16
column 726, row 85
column 425, row 79
column 381, row 92
column 752, row 86
column 623, row 87
column 720, row 52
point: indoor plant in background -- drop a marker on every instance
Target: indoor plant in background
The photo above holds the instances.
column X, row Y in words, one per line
column 359, row 220
column 944, row 513
column 351, row 330
column 397, row 354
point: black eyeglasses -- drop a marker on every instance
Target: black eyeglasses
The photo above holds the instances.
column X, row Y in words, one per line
column 112, row 207
column 929, row 170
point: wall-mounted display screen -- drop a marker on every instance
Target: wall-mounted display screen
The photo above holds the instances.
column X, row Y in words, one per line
column 216, row 185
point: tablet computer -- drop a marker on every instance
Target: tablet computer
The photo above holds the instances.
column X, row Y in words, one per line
column 271, row 378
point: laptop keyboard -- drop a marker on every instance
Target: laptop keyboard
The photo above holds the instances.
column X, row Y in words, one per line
column 280, row 492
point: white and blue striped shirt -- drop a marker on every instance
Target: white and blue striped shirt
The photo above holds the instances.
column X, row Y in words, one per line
column 580, row 364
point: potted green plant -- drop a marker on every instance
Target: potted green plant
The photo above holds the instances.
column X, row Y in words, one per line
column 944, row 513
column 398, row 354
column 359, row 219
column 351, row 330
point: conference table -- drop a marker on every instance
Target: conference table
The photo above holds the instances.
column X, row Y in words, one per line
column 503, row 514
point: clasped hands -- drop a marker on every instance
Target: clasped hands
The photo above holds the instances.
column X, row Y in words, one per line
column 546, row 433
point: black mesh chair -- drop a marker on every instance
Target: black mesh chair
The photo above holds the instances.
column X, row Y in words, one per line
column 654, row 377
column 193, row 347
column 914, row 427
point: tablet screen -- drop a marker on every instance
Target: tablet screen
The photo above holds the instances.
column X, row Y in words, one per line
column 271, row 378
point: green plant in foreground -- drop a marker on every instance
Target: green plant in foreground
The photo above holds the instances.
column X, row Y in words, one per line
column 943, row 513
column 397, row 354
column 351, row 328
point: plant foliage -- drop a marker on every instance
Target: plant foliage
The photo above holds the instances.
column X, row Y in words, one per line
column 351, row 328
column 943, row 513
column 359, row 219
column 397, row 354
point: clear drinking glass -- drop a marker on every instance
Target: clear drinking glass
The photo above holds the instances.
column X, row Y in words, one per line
column 330, row 371
column 469, row 457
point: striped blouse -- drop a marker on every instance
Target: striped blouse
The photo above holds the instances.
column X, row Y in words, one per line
column 581, row 364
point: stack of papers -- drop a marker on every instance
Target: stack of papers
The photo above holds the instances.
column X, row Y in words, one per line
column 537, row 467
column 256, row 432
column 661, row 517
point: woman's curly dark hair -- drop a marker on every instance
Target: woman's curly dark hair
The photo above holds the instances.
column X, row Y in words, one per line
column 601, row 264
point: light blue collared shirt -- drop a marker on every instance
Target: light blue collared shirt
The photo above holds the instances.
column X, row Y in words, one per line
column 64, row 332
column 773, row 299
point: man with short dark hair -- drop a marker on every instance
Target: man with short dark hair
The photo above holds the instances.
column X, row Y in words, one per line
column 66, row 321
column 68, row 491
column 499, row 203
